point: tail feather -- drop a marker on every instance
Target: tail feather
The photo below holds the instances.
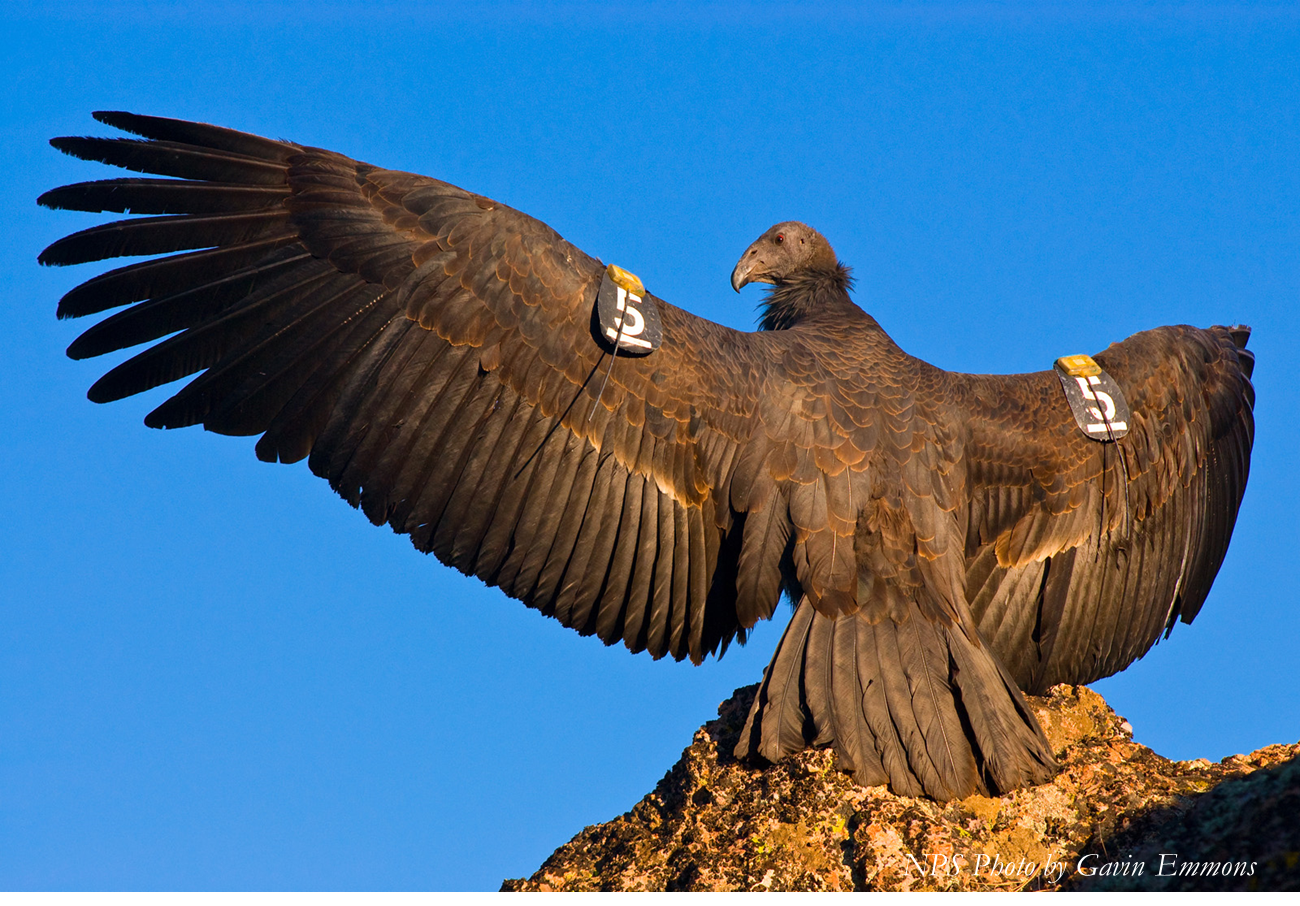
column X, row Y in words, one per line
column 917, row 704
column 781, row 732
column 920, row 689
column 859, row 708
column 818, row 681
column 1013, row 751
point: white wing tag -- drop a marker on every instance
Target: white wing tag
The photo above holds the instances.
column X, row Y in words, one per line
column 1098, row 404
column 627, row 317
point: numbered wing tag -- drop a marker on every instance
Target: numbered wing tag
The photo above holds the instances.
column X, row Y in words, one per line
column 626, row 317
column 1095, row 399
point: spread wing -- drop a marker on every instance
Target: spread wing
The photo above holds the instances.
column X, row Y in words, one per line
column 432, row 351
column 1080, row 554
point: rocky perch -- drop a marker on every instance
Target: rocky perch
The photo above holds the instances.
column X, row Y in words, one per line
column 1117, row 817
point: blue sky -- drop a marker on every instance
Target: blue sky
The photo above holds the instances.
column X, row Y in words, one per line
column 215, row 674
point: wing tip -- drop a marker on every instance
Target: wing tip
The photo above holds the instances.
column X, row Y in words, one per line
column 1240, row 334
column 49, row 200
column 120, row 119
column 70, row 145
column 56, row 255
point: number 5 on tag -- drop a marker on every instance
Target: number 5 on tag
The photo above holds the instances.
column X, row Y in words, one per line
column 1096, row 401
column 627, row 315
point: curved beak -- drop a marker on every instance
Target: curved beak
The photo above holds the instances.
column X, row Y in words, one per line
column 748, row 270
column 740, row 276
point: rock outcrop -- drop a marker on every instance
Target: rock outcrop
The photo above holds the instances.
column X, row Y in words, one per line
column 1118, row 816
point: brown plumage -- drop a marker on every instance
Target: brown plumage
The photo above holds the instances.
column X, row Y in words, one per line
column 949, row 540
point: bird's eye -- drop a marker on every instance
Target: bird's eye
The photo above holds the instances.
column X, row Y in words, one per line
column 779, row 239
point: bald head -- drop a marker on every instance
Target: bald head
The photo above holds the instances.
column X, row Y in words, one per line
column 782, row 252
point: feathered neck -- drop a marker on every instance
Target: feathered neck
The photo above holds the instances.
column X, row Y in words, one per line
column 805, row 294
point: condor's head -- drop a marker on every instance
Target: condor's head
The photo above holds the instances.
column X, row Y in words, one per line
column 807, row 279
column 788, row 250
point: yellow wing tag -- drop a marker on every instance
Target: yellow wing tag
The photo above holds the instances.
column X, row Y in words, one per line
column 627, row 317
column 626, row 279
column 1078, row 365
column 1099, row 407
